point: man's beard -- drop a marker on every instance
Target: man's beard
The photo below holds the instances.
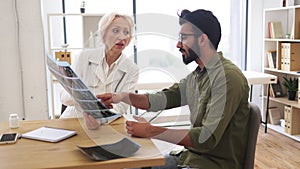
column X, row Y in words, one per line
column 192, row 56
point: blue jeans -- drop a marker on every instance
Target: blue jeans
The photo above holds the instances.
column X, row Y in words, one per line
column 171, row 162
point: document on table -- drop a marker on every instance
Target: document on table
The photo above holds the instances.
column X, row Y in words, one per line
column 49, row 134
column 120, row 149
column 129, row 117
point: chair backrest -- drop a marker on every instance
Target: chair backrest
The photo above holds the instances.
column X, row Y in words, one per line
column 255, row 121
column 63, row 108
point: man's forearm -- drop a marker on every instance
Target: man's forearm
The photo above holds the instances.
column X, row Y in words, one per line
column 137, row 100
column 176, row 136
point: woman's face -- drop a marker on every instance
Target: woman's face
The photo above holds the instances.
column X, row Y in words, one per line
column 118, row 35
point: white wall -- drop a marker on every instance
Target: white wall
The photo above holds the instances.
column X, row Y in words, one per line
column 255, row 39
column 49, row 6
column 255, row 44
column 22, row 60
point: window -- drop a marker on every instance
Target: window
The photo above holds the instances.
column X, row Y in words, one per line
column 157, row 30
column 227, row 11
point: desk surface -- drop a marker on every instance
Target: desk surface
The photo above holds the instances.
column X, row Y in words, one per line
column 28, row 153
column 259, row 78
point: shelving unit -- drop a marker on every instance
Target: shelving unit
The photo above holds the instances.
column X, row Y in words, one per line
column 289, row 17
column 79, row 25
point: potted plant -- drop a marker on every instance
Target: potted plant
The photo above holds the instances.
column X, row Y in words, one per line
column 82, row 7
column 291, row 84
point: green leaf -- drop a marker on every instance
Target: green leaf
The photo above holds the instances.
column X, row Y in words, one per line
column 291, row 84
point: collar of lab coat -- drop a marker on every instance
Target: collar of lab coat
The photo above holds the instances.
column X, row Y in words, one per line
column 121, row 68
column 99, row 60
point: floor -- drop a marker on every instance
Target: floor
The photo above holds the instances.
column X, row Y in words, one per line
column 276, row 151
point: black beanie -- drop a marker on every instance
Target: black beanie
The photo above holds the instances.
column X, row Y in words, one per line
column 205, row 21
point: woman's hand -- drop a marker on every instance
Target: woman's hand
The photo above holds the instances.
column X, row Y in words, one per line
column 90, row 122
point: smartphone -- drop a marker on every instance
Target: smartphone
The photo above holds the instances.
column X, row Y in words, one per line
column 8, row 138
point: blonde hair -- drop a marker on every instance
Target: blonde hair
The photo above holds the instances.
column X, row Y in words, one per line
column 107, row 19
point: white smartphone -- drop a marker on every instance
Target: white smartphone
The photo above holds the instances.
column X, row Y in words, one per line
column 8, row 138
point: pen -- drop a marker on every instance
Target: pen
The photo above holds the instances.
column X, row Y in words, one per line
column 158, row 113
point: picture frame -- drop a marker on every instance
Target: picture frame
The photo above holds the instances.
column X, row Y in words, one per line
column 274, row 115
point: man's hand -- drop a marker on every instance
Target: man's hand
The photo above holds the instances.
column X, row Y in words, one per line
column 137, row 129
column 144, row 129
column 90, row 122
column 141, row 128
column 109, row 98
column 137, row 100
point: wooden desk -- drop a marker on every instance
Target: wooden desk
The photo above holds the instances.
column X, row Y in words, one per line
column 28, row 153
column 261, row 78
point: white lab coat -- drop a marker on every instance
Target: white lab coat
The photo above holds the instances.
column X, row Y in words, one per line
column 89, row 68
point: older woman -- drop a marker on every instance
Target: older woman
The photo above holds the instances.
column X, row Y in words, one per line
column 106, row 68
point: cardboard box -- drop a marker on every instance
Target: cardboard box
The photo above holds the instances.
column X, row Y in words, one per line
column 63, row 56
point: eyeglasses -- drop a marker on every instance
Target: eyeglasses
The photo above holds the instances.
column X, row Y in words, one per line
column 183, row 36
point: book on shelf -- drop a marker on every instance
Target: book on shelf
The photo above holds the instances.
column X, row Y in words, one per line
column 275, row 30
column 292, row 34
column 292, row 120
column 289, row 56
column 287, row 119
column 276, row 90
column 274, row 115
column 272, row 59
column 298, row 90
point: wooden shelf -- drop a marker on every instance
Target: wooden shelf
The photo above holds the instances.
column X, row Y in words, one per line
column 281, row 40
column 296, row 73
column 284, row 100
column 282, row 8
column 280, row 130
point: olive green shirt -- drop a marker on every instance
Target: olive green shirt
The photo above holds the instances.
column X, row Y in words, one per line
column 217, row 97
